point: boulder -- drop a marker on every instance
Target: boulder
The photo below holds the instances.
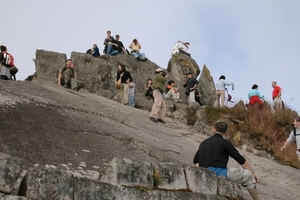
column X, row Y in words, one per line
column 201, row 180
column 125, row 172
column 229, row 189
column 41, row 183
column 170, row 176
column 10, row 170
column 207, row 87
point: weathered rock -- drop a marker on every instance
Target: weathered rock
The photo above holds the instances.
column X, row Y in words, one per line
column 180, row 115
column 10, row 197
column 125, row 172
column 202, row 127
column 169, row 195
column 170, row 176
column 179, row 64
column 240, row 106
column 10, row 170
column 201, row 180
column 207, row 87
column 229, row 189
column 2, row 196
column 47, row 63
column 41, row 183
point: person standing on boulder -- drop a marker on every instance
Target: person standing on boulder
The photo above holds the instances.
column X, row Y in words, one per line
column 220, row 93
column 158, row 111
column 125, row 80
column 191, row 85
column 213, row 154
column 276, row 95
column 294, row 136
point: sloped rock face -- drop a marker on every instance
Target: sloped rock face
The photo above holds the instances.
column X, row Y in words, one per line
column 207, row 87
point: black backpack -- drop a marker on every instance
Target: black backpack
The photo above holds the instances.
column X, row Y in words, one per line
column 295, row 134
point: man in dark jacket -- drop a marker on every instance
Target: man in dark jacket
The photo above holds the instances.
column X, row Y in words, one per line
column 191, row 85
column 213, row 154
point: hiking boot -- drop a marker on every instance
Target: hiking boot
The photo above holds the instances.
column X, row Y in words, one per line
column 81, row 85
column 153, row 119
column 161, row 121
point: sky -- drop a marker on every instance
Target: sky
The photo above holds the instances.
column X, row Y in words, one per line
column 248, row 41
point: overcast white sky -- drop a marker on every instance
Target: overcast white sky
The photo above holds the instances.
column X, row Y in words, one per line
column 250, row 42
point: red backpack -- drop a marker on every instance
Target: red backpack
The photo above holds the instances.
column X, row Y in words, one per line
column 8, row 60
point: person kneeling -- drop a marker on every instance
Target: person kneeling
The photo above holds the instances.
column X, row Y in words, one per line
column 172, row 93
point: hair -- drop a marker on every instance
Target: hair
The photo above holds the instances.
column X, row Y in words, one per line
column 3, row 48
column 222, row 77
column 274, row 82
column 297, row 119
column 170, row 82
column 221, row 127
column 254, row 86
column 149, row 79
column 134, row 40
column 95, row 45
column 123, row 67
column 108, row 31
column 69, row 60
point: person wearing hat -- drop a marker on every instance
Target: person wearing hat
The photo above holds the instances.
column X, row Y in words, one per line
column 255, row 98
column 159, row 107
column 191, row 85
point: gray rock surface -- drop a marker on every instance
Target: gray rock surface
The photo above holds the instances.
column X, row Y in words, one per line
column 10, row 170
column 207, row 87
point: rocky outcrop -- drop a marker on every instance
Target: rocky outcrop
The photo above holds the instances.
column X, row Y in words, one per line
column 127, row 179
column 207, row 87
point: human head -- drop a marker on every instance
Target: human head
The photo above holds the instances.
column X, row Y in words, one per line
column 171, row 82
column 222, row 77
column 254, row 86
column 297, row 123
column 117, row 37
column 221, row 127
column 108, row 32
column 189, row 74
column 3, row 48
column 149, row 80
column 158, row 70
column 134, row 40
column 69, row 63
column 274, row 84
column 122, row 68
column 95, row 45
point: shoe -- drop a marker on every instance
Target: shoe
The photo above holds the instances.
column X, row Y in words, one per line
column 161, row 121
column 81, row 85
column 148, row 97
column 153, row 119
column 137, row 58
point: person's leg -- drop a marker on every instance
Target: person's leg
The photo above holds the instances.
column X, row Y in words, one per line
column 222, row 94
column 109, row 49
column 192, row 97
column 277, row 103
column 135, row 55
column 122, row 93
column 162, row 110
column 245, row 178
column 157, row 104
column 217, row 101
column 131, row 101
column 74, row 83
column 126, row 86
column 168, row 96
column 67, row 74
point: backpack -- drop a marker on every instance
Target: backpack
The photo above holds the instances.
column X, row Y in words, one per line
column 8, row 60
column 295, row 134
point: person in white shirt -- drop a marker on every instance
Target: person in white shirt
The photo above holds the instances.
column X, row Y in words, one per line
column 220, row 91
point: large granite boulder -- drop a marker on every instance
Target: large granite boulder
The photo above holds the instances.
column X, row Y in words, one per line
column 207, row 87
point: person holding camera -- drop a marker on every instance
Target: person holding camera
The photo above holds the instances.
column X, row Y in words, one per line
column 135, row 50
column 159, row 107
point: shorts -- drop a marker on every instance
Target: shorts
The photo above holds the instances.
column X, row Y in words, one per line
column 242, row 176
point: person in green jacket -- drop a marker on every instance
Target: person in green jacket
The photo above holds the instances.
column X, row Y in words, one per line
column 159, row 107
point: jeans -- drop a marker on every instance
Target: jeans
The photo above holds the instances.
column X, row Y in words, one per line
column 138, row 54
column 111, row 51
column 131, row 101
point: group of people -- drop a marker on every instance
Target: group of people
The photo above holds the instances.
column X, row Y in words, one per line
column 113, row 46
column 8, row 70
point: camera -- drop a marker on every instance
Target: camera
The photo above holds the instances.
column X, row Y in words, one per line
column 164, row 73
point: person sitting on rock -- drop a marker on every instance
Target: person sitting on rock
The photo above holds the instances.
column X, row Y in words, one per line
column 4, row 70
column 185, row 49
column 255, row 98
column 149, row 89
column 113, row 47
column 135, row 50
column 67, row 76
column 108, row 39
column 121, row 49
column 172, row 92
column 13, row 71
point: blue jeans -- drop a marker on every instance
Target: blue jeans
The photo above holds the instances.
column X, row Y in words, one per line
column 138, row 54
column 111, row 51
column 131, row 101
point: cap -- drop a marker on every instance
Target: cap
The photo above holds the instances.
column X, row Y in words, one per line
column 189, row 73
column 117, row 35
column 159, row 70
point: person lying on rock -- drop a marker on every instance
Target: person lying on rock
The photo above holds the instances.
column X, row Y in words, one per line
column 67, row 77
column 213, row 154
